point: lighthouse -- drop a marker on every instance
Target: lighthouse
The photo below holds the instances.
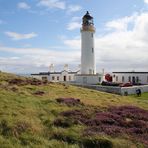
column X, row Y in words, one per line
column 88, row 73
column 88, row 66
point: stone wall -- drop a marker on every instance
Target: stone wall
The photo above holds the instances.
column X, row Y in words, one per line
column 115, row 90
column 132, row 90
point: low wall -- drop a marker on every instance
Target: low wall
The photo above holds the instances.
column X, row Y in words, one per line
column 114, row 89
column 109, row 89
column 132, row 90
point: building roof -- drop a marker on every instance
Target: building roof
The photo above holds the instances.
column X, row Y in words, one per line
column 48, row 73
column 132, row 72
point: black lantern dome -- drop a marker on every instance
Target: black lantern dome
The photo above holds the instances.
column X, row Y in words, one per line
column 87, row 19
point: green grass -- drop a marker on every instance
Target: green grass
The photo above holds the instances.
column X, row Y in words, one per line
column 26, row 120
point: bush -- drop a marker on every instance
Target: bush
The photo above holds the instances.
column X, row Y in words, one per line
column 63, row 122
column 104, row 83
column 65, row 137
column 5, row 129
column 69, row 101
column 96, row 143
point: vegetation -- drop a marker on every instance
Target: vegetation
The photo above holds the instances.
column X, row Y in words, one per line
column 41, row 114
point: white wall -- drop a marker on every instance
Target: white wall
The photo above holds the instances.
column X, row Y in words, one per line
column 61, row 77
column 88, row 79
column 39, row 77
column 87, row 53
column 142, row 77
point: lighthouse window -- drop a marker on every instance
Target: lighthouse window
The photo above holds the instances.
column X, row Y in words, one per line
column 92, row 35
column 92, row 50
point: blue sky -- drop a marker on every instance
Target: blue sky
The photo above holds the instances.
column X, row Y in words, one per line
column 37, row 33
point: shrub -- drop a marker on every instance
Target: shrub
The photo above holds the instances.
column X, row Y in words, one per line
column 63, row 122
column 96, row 143
column 69, row 101
column 40, row 93
column 5, row 129
column 65, row 137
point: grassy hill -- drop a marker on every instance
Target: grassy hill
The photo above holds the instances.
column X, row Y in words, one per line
column 40, row 114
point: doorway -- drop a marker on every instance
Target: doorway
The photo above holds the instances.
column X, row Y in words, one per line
column 133, row 80
column 64, row 78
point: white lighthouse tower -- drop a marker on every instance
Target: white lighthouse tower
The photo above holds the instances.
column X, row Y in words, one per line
column 87, row 45
column 88, row 66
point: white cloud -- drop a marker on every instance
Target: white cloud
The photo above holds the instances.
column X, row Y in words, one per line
column 18, row 36
column 52, row 4
column 75, row 23
column 35, row 59
column 23, row 5
column 146, row 1
column 73, row 43
column 122, row 23
column 74, row 8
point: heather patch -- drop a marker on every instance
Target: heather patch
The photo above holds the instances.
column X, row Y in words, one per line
column 116, row 121
column 25, row 81
column 39, row 93
column 69, row 101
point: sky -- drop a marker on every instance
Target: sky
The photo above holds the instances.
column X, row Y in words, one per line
column 37, row 33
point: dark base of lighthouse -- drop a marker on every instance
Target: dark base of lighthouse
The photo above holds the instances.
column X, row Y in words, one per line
column 88, row 79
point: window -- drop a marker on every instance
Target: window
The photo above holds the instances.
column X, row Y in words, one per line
column 137, row 79
column 117, row 78
column 58, row 78
column 92, row 35
column 147, row 78
column 52, row 77
column 99, row 79
column 69, row 78
column 129, row 78
column 90, row 71
column 92, row 50
column 122, row 78
column 44, row 78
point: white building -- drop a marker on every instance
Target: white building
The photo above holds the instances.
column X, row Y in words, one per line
column 64, row 76
column 132, row 77
column 88, row 66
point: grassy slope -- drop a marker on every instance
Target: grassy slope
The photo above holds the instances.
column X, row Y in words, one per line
column 38, row 112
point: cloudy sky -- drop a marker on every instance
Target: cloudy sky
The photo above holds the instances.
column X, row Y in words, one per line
column 37, row 33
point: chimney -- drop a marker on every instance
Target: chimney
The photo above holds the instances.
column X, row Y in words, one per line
column 66, row 67
column 51, row 68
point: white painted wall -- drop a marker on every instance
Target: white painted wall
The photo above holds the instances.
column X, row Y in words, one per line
column 88, row 79
column 39, row 77
column 88, row 65
column 69, row 77
column 143, row 78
